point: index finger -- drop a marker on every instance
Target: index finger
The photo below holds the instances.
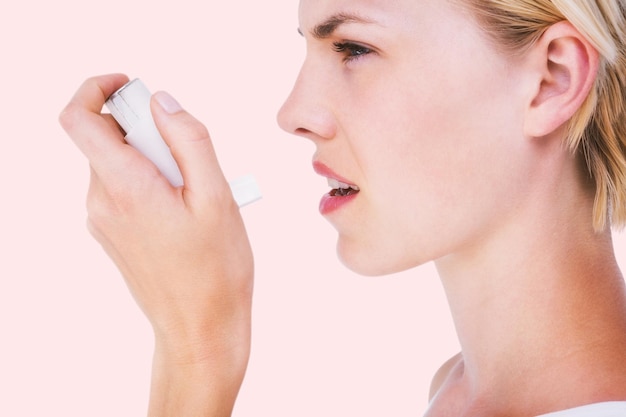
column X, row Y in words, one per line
column 92, row 94
column 82, row 120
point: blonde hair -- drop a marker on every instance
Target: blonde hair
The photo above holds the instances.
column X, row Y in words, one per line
column 598, row 129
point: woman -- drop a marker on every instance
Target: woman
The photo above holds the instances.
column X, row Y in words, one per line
column 486, row 135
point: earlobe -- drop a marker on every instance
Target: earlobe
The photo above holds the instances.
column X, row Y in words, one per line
column 566, row 65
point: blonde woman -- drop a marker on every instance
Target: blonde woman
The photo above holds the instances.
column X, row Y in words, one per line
column 486, row 135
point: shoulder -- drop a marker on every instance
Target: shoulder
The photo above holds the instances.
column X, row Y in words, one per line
column 443, row 373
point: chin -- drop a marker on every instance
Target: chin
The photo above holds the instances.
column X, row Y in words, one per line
column 370, row 261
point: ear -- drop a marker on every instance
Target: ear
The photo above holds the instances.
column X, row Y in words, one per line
column 564, row 65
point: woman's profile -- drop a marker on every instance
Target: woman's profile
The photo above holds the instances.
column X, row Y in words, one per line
column 488, row 136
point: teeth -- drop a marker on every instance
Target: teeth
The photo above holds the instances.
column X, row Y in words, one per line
column 334, row 184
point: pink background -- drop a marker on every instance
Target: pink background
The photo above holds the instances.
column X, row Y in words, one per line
column 326, row 342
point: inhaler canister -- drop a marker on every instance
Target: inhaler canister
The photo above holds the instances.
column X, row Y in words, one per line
column 130, row 106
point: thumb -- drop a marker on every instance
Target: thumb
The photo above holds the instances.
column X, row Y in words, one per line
column 191, row 147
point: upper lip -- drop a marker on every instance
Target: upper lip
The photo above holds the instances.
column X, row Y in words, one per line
column 323, row 170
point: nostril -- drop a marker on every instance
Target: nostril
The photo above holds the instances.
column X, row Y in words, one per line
column 302, row 131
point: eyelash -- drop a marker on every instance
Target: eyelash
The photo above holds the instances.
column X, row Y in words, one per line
column 351, row 51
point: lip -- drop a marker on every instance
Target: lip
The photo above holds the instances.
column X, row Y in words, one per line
column 328, row 203
column 324, row 171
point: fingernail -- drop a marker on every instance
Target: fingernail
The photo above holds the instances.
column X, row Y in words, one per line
column 167, row 102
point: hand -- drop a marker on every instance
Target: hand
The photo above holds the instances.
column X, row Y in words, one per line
column 183, row 252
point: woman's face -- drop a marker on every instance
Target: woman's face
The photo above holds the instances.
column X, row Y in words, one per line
column 409, row 102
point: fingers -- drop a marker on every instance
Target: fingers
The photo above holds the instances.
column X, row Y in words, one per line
column 96, row 136
column 100, row 138
column 113, row 123
column 191, row 146
column 94, row 91
column 102, row 142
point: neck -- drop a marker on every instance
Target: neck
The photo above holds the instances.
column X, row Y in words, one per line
column 540, row 312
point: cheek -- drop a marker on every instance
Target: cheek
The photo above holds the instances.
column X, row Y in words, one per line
column 437, row 162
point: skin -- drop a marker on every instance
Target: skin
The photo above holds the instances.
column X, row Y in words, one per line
column 456, row 149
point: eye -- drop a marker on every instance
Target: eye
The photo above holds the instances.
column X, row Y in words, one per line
column 351, row 51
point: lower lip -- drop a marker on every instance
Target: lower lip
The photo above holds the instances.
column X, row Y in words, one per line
column 329, row 203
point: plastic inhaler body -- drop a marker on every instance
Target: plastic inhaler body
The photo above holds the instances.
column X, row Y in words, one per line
column 130, row 106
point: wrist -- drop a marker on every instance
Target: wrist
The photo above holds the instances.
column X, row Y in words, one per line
column 203, row 341
column 198, row 373
column 194, row 386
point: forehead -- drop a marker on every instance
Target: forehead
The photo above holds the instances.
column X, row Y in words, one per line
column 313, row 12
column 320, row 7
column 402, row 15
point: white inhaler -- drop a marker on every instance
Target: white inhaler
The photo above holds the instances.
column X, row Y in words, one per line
column 130, row 107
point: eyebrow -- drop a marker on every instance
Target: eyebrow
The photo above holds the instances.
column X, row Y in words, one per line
column 325, row 29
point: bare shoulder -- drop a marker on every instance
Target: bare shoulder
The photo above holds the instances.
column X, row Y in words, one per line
column 443, row 373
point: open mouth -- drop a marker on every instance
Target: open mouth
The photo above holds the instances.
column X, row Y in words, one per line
column 341, row 189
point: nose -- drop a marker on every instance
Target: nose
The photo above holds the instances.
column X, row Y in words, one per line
column 307, row 112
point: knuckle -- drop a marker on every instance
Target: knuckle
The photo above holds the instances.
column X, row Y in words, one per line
column 117, row 202
column 91, row 80
column 93, row 229
column 69, row 116
column 108, row 214
column 192, row 129
column 91, row 83
column 98, row 212
column 104, row 205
